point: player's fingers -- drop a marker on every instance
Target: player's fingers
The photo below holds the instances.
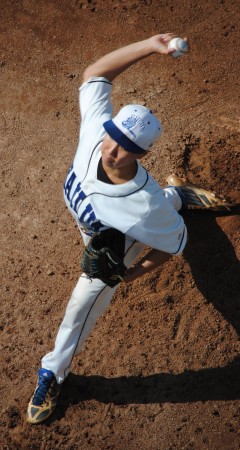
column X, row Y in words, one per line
column 168, row 36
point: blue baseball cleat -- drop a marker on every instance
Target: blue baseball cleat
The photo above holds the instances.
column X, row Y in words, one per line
column 44, row 399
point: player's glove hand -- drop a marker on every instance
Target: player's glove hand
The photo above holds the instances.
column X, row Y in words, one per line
column 103, row 257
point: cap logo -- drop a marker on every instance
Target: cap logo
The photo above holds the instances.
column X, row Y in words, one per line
column 131, row 122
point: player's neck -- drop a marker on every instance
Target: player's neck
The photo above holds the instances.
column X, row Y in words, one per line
column 121, row 175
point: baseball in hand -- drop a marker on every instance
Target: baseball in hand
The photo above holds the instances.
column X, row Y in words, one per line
column 179, row 45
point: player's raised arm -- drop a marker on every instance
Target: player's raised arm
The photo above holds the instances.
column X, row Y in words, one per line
column 113, row 64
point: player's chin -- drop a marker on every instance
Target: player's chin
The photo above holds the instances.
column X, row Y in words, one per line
column 108, row 162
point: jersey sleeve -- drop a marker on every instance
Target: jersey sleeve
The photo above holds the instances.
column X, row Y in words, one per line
column 95, row 104
column 95, row 108
column 162, row 228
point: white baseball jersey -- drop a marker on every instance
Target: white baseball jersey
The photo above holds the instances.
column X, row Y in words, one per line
column 138, row 207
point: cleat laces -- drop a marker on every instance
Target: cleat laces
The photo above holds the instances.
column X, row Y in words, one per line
column 42, row 390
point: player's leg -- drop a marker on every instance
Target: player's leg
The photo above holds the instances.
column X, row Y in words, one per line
column 89, row 300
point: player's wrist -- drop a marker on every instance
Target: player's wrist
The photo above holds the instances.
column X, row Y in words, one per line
column 134, row 272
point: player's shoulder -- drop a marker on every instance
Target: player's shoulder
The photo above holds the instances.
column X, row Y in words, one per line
column 152, row 186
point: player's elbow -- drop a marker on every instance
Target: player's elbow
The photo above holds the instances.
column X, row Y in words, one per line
column 88, row 73
column 97, row 70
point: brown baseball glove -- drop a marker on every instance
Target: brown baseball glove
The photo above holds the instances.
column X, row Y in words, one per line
column 195, row 197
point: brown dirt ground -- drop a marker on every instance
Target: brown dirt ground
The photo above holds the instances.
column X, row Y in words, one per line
column 161, row 369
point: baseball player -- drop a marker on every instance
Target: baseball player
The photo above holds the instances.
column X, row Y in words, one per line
column 108, row 188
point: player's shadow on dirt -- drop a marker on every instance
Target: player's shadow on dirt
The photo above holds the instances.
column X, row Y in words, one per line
column 214, row 265
column 220, row 383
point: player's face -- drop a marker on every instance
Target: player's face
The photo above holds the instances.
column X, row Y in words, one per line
column 114, row 156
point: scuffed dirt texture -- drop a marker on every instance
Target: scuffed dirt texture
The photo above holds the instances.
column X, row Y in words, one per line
column 161, row 369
